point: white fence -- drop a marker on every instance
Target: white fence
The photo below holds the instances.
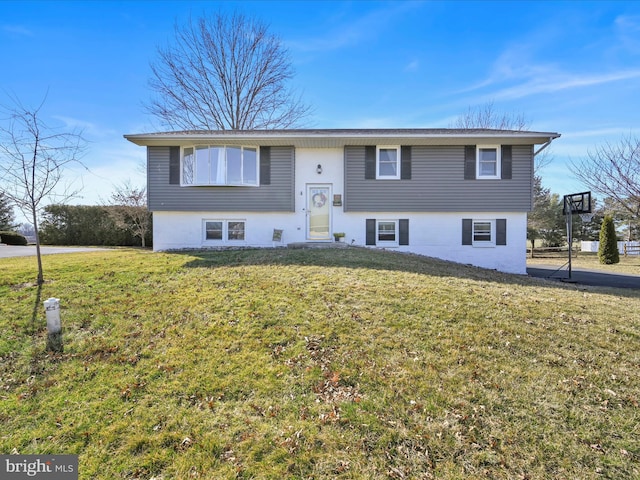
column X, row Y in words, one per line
column 593, row 247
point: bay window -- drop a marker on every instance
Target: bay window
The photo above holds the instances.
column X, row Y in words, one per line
column 220, row 165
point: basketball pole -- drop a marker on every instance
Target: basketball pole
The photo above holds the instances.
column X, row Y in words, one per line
column 569, row 214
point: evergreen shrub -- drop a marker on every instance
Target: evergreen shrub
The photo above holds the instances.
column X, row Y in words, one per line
column 608, row 249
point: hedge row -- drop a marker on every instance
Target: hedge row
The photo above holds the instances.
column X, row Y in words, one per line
column 84, row 225
column 12, row 238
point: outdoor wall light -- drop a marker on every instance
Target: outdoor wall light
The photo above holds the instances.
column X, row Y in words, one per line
column 319, row 169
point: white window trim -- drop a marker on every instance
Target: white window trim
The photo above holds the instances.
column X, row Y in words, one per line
column 225, row 231
column 498, row 162
column 483, row 243
column 226, row 170
column 398, row 160
column 388, row 243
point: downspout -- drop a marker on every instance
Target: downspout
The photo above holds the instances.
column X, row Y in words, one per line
column 543, row 147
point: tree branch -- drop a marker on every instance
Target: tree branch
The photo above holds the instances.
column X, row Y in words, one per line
column 224, row 72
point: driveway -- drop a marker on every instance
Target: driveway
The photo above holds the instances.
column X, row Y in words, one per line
column 595, row 278
column 7, row 251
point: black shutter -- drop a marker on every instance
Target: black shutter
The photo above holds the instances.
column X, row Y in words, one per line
column 467, row 227
column 403, row 226
column 265, row 165
column 370, row 163
column 371, row 231
column 501, row 231
column 506, row 157
column 405, row 163
column 470, row 162
column 174, row 165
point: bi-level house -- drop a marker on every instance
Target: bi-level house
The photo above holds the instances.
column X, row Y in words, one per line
column 457, row 194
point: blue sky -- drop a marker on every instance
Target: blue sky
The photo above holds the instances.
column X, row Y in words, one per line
column 570, row 67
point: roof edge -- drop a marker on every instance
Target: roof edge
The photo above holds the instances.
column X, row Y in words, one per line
column 336, row 135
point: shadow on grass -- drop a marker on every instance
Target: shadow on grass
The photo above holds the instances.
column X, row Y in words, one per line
column 365, row 258
column 35, row 358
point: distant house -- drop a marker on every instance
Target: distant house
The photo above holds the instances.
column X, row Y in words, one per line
column 456, row 194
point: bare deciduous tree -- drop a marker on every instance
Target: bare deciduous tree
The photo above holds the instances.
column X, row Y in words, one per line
column 613, row 170
column 32, row 159
column 484, row 116
column 129, row 210
column 224, row 72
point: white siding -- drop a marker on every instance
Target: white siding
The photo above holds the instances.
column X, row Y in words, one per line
column 433, row 234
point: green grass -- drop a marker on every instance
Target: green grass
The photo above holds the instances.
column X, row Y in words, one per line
column 301, row 364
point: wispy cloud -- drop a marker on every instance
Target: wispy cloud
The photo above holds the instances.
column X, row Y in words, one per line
column 88, row 128
column 561, row 81
column 628, row 31
column 525, row 67
column 412, row 66
column 516, row 74
column 17, row 30
column 96, row 185
column 630, row 23
column 615, row 131
column 513, row 64
column 353, row 31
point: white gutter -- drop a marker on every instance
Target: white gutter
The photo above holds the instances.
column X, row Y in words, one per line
column 326, row 138
column 551, row 139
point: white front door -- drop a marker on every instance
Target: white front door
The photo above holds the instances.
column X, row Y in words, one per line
column 318, row 212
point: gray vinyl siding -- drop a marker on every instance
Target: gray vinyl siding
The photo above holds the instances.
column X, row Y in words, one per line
column 276, row 197
column 437, row 184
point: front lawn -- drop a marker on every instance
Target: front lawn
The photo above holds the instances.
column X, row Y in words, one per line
column 300, row 364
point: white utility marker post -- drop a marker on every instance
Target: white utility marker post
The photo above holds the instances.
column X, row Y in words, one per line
column 54, row 326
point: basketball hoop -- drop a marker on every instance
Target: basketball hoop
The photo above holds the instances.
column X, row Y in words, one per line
column 586, row 217
column 579, row 203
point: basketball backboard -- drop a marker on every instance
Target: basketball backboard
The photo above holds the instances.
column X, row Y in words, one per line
column 577, row 203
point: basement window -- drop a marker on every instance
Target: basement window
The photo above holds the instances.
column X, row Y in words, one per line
column 224, row 231
column 387, row 232
column 483, row 233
